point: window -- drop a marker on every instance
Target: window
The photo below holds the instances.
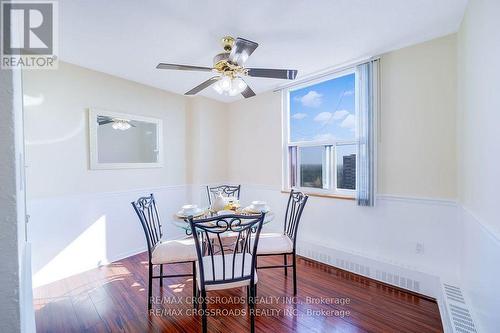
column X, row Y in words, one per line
column 320, row 136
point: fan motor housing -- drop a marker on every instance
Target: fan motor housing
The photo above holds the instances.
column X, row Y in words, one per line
column 220, row 61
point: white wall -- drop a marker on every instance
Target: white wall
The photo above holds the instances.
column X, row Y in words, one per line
column 478, row 140
column 16, row 308
column 86, row 214
column 10, row 315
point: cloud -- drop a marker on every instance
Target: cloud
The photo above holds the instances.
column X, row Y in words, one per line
column 323, row 117
column 311, row 100
column 324, row 137
column 299, row 116
column 349, row 122
column 327, row 117
column 348, row 92
column 340, row 114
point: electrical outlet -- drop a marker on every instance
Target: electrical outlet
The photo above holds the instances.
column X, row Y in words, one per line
column 419, row 248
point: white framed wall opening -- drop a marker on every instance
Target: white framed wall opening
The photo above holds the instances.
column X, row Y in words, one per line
column 320, row 137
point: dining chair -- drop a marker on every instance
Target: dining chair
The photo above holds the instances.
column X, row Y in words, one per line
column 227, row 269
column 161, row 252
column 272, row 244
column 226, row 190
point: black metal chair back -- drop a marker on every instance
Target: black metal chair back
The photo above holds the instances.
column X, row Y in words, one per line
column 296, row 202
column 146, row 210
column 226, row 190
column 232, row 266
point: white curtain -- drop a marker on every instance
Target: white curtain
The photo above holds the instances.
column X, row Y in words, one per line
column 368, row 79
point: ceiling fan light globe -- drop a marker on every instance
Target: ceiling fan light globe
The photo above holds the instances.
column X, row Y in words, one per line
column 218, row 88
column 233, row 92
column 239, row 84
column 225, row 83
column 121, row 125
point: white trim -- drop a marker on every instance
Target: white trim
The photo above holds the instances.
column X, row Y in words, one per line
column 93, row 144
column 285, row 117
column 326, row 77
column 443, row 311
column 126, row 254
column 411, row 199
column 27, row 311
column 107, row 194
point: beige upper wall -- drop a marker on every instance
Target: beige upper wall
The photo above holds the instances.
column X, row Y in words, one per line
column 56, row 122
column 206, row 131
column 254, row 150
column 417, row 153
column 417, row 142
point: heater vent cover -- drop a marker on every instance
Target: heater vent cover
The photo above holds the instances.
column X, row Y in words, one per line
column 460, row 316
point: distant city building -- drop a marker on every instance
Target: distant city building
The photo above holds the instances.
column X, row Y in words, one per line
column 349, row 172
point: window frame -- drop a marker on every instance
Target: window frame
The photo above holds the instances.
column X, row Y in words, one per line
column 330, row 156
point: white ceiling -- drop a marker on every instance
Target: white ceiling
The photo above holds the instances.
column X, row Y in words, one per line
column 128, row 38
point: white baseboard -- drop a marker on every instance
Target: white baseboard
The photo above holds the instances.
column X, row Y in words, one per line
column 421, row 283
column 398, row 276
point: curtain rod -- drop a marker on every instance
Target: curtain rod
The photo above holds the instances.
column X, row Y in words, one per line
column 326, row 72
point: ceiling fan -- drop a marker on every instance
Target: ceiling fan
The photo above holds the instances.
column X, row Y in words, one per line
column 116, row 123
column 229, row 66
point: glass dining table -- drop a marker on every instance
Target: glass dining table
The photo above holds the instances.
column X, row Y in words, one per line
column 182, row 222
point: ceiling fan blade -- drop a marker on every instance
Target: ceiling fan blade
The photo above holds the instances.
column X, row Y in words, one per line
column 163, row 65
column 203, row 85
column 288, row 74
column 104, row 122
column 242, row 49
column 248, row 92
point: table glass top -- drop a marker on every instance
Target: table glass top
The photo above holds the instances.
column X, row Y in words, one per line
column 180, row 221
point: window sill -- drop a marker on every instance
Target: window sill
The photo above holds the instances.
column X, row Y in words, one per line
column 319, row 195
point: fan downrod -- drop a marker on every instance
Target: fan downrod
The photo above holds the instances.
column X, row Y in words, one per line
column 227, row 43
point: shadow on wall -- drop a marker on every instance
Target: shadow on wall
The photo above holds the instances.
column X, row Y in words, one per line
column 88, row 249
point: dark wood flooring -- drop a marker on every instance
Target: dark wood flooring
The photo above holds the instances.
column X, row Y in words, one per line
column 113, row 299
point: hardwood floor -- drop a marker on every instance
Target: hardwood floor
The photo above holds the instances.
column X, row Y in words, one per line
column 113, row 299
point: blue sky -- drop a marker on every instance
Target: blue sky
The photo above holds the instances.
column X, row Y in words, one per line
column 325, row 110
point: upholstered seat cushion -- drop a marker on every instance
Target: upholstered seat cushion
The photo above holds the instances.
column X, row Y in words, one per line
column 274, row 243
column 227, row 259
column 172, row 251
